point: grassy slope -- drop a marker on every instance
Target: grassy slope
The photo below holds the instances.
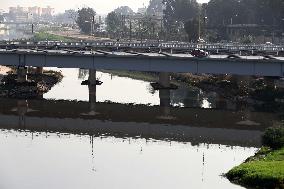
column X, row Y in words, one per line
column 42, row 36
column 264, row 170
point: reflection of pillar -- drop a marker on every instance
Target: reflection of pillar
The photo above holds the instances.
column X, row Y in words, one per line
column 165, row 102
column 192, row 99
column 270, row 82
column 22, row 74
column 92, row 97
column 164, row 79
column 221, row 102
column 22, row 106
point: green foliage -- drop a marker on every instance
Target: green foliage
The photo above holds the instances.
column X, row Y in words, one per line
column 155, row 6
column 192, row 29
column 274, row 137
column 264, row 170
column 263, row 12
column 86, row 20
column 113, row 23
column 43, row 36
column 177, row 13
column 124, row 10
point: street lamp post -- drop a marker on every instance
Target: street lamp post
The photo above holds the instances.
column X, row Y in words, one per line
column 92, row 24
column 282, row 33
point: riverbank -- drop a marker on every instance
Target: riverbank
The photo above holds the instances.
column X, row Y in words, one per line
column 264, row 170
column 4, row 70
column 46, row 36
column 76, row 35
column 35, row 86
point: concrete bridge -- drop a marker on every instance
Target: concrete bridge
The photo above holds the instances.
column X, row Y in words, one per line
column 149, row 62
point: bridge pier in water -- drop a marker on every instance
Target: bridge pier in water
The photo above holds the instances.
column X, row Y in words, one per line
column 164, row 79
column 92, row 77
column 164, row 82
column 92, row 92
column 165, row 104
column 39, row 70
column 22, row 74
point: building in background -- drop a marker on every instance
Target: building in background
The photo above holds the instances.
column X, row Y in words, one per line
column 25, row 14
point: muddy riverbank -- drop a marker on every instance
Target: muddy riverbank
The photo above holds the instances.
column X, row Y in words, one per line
column 34, row 87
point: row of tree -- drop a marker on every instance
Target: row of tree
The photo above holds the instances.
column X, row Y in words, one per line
column 187, row 19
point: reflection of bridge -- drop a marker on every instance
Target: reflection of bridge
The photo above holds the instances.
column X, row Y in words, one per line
column 159, row 122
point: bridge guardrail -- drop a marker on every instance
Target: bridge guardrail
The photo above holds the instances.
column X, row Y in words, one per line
column 231, row 47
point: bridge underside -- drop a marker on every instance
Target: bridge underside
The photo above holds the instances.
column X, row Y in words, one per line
column 148, row 63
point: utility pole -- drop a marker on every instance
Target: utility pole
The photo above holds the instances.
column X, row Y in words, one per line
column 130, row 29
column 161, row 32
column 199, row 27
column 93, row 25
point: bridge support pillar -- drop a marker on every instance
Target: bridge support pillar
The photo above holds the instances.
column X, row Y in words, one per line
column 39, row 70
column 165, row 104
column 92, row 77
column 164, row 79
column 92, row 93
column 22, row 74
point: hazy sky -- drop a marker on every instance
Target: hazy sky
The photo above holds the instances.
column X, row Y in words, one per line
column 101, row 6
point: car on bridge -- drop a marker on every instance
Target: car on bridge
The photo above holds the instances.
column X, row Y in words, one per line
column 199, row 53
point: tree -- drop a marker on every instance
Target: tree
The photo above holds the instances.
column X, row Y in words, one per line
column 267, row 14
column 155, row 7
column 86, row 20
column 72, row 14
column 68, row 17
column 192, row 29
column 113, row 23
column 148, row 28
column 177, row 13
column 124, row 10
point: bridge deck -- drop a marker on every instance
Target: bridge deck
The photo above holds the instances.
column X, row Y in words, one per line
column 151, row 62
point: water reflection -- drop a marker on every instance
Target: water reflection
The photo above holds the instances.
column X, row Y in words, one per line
column 10, row 33
column 79, row 161
column 114, row 89
column 126, row 90
column 162, row 122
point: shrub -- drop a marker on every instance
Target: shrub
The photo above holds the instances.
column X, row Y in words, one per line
column 274, row 137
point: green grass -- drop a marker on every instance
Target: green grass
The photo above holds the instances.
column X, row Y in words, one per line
column 264, row 170
column 42, row 36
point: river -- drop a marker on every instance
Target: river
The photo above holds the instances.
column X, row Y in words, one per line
column 124, row 134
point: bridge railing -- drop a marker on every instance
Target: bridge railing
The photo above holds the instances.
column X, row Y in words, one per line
column 182, row 45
